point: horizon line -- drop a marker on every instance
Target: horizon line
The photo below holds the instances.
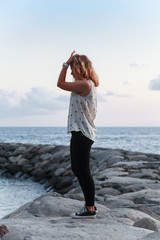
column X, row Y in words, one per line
column 66, row 127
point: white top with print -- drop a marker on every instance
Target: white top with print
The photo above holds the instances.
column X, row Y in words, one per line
column 82, row 112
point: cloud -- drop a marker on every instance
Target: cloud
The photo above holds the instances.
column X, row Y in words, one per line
column 134, row 65
column 63, row 98
column 38, row 101
column 123, row 95
column 127, row 83
column 155, row 84
column 100, row 98
column 111, row 94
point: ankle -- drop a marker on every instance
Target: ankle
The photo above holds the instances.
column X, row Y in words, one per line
column 90, row 208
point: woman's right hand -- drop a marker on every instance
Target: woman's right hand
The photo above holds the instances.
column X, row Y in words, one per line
column 71, row 58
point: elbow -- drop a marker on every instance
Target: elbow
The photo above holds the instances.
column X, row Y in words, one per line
column 58, row 85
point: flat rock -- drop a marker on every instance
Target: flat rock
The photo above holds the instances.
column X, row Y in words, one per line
column 126, row 180
column 16, row 234
column 48, row 217
column 152, row 236
column 110, row 172
column 108, row 191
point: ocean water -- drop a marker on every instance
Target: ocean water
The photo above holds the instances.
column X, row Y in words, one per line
column 16, row 192
column 142, row 139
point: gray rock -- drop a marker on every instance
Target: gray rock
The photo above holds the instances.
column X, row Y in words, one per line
column 13, row 168
column 66, row 154
column 59, row 171
column 38, row 173
column 64, row 182
column 124, row 181
column 144, row 200
column 75, row 193
column 115, row 202
column 43, row 164
column 133, row 188
column 108, row 191
column 137, row 157
column 3, row 160
column 146, row 223
column 152, row 236
column 48, row 218
column 45, row 156
column 15, row 234
column 149, row 175
column 155, row 208
column 27, row 168
column 60, row 155
column 9, row 146
column 46, row 149
column 110, row 172
column 19, row 150
column 13, row 159
column 131, row 164
column 22, row 161
column 6, row 154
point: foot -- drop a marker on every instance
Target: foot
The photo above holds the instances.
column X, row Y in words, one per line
column 84, row 213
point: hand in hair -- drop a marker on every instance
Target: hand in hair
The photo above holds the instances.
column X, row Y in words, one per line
column 71, row 58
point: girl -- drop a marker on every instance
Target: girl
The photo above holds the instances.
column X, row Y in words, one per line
column 82, row 112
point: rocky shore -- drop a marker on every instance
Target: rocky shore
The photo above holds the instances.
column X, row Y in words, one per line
column 127, row 194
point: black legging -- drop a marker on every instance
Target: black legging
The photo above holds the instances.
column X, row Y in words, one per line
column 80, row 155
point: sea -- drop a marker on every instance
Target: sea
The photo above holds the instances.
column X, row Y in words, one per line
column 142, row 139
column 17, row 191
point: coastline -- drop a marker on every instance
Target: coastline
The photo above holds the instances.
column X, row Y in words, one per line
column 125, row 182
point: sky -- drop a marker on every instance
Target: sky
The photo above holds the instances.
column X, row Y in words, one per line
column 120, row 37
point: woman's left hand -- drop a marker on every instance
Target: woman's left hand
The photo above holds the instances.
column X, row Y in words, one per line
column 71, row 58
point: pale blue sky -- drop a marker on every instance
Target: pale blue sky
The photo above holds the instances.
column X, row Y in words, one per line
column 121, row 37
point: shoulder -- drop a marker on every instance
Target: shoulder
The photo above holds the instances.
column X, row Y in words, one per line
column 89, row 84
column 87, row 87
column 85, row 83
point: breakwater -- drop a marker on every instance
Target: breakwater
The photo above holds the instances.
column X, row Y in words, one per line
column 123, row 179
column 115, row 172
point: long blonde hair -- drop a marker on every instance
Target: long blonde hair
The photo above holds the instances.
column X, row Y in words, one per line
column 83, row 67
